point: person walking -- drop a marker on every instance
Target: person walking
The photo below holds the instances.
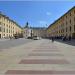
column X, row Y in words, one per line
column 52, row 39
column 69, row 38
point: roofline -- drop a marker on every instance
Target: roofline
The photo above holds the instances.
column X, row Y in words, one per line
column 10, row 20
column 61, row 16
column 38, row 27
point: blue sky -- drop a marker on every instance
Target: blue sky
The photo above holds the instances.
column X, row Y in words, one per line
column 37, row 13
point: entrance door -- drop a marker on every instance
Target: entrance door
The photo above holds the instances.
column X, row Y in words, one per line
column 0, row 35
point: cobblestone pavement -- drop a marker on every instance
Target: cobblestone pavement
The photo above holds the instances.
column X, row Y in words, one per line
column 40, row 57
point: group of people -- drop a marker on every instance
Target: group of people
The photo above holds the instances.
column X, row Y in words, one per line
column 64, row 38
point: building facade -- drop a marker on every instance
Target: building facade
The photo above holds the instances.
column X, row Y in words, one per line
column 34, row 31
column 27, row 31
column 64, row 26
column 8, row 27
column 39, row 31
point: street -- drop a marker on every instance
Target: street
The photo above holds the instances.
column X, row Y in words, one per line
column 36, row 57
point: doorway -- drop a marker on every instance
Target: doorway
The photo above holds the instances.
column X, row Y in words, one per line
column 0, row 35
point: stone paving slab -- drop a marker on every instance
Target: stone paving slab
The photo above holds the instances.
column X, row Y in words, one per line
column 39, row 72
column 46, row 54
column 57, row 67
column 44, row 61
column 48, row 50
column 45, row 57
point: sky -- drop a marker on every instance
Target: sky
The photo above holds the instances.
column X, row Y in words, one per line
column 36, row 13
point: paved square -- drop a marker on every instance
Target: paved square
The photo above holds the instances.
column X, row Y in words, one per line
column 40, row 57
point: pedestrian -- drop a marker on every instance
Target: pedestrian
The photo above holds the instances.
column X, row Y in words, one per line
column 69, row 38
column 64, row 38
column 52, row 39
column 10, row 37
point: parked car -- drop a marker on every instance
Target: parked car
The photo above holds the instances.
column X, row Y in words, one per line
column 35, row 38
column 29, row 37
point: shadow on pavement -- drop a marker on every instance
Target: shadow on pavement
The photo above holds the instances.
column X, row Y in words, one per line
column 72, row 42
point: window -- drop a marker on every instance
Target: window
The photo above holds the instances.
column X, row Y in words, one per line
column 13, row 31
column 70, row 28
column 66, row 16
column 74, row 27
column 66, row 22
column 74, row 11
column 66, row 29
column 4, row 29
column 70, row 21
column 0, row 28
column 70, row 14
column 7, row 30
column 4, row 24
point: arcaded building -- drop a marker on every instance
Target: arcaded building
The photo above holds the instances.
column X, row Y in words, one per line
column 8, row 27
column 64, row 26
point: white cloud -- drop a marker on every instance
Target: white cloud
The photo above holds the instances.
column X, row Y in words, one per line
column 42, row 22
column 48, row 13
